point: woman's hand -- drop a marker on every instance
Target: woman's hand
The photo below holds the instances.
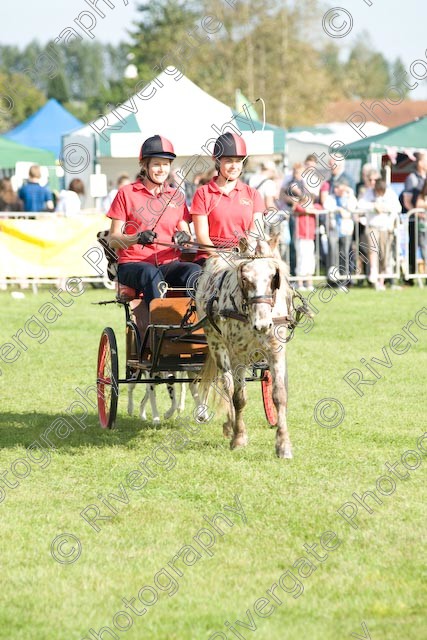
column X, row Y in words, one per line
column 118, row 239
column 181, row 237
column 146, row 237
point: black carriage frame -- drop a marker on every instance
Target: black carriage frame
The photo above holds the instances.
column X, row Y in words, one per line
column 145, row 355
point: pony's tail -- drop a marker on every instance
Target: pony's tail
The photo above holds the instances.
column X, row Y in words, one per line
column 208, row 383
column 207, row 377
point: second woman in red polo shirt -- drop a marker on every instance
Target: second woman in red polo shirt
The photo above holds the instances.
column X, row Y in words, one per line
column 226, row 209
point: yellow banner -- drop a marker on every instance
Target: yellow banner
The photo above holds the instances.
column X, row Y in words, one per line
column 51, row 247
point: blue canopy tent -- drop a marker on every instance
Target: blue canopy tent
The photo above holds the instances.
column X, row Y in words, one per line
column 45, row 128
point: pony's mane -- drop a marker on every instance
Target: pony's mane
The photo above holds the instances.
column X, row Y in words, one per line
column 267, row 249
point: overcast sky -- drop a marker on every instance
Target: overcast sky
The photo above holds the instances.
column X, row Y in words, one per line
column 396, row 28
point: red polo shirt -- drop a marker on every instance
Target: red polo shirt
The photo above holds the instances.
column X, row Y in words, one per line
column 230, row 215
column 141, row 210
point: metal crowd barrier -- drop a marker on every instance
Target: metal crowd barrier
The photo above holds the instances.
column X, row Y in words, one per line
column 333, row 256
column 344, row 257
column 415, row 242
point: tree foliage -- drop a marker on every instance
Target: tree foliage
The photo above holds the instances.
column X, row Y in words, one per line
column 19, row 98
column 267, row 48
column 270, row 49
column 57, row 88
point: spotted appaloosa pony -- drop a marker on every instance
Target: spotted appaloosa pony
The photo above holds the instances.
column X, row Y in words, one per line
column 247, row 298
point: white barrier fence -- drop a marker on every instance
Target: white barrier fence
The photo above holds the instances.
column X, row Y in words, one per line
column 367, row 252
column 400, row 252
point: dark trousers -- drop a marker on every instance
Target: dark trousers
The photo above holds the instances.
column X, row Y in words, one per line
column 146, row 277
column 346, row 266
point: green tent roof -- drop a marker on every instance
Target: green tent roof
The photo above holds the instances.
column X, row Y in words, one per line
column 12, row 152
column 409, row 136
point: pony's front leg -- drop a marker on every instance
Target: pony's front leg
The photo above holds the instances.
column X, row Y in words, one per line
column 225, row 388
column 227, row 392
column 280, row 399
column 240, row 437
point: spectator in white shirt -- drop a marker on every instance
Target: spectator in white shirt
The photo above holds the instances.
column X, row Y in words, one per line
column 108, row 200
column 70, row 201
column 382, row 208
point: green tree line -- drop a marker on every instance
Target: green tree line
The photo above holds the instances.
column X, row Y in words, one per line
column 271, row 49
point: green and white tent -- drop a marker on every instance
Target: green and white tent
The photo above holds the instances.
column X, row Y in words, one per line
column 406, row 138
column 174, row 107
column 12, row 152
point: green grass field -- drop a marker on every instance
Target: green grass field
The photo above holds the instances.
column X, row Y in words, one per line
column 371, row 584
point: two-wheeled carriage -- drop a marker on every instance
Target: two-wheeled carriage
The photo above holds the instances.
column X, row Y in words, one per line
column 166, row 339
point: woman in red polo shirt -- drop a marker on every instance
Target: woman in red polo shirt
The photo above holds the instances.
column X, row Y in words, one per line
column 143, row 215
column 226, row 209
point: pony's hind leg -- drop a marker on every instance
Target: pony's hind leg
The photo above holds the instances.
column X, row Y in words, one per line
column 171, row 388
column 153, row 401
column 143, row 404
column 182, row 395
column 131, row 389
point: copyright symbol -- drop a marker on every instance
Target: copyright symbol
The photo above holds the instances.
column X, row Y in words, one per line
column 192, row 285
column 329, row 413
column 66, row 548
column 74, row 158
column 337, row 22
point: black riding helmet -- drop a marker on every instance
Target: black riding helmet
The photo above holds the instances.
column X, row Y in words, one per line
column 157, row 147
column 229, row 145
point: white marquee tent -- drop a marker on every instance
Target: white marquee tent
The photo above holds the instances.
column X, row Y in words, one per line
column 172, row 106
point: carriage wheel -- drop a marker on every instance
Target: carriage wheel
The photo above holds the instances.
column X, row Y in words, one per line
column 107, row 379
column 267, row 398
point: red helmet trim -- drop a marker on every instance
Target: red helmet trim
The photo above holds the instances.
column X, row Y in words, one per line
column 167, row 145
column 239, row 144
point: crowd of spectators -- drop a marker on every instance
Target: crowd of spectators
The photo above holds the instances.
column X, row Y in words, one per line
column 352, row 228
column 36, row 197
column 329, row 224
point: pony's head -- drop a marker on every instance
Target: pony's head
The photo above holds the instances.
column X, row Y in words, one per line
column 259, row 280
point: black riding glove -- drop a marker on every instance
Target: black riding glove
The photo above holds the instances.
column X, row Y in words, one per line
column 146, row 237
column 181, row 237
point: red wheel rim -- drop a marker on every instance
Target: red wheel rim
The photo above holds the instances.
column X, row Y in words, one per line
column 104, row 414
column 267, row 397
column 106, row 383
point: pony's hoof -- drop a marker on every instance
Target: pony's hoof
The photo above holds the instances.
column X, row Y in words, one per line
column 202, row 416
column 239, row 442
column 168, row 414
column 284, row 452
column 156, row 420
column 227, row 430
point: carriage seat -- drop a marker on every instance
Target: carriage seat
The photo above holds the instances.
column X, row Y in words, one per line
column 171, row 311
